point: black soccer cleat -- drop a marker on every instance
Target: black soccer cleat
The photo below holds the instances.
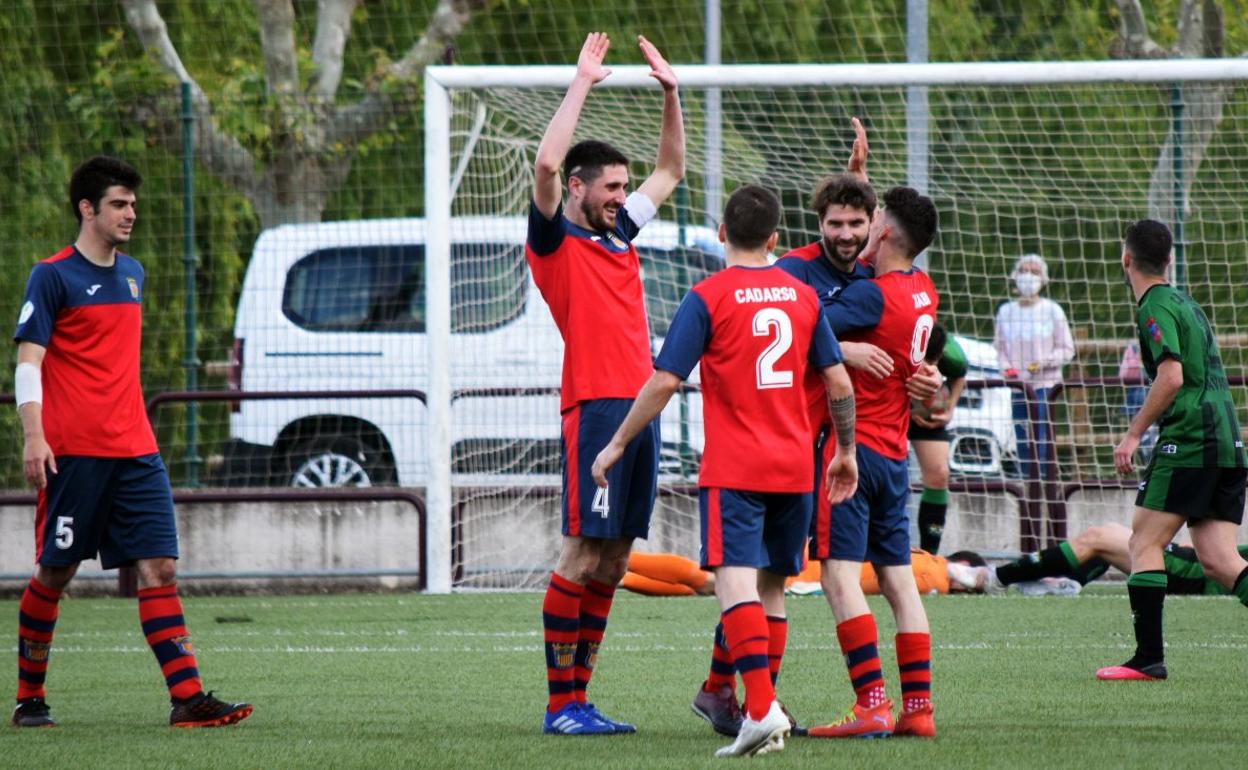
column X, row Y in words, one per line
column 720, row 709
column 203, row 710
column 33, row 712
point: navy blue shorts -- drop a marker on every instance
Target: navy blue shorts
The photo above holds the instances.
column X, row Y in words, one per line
column 872, row 525
column 120, row 508
column 623, row 508
column 765, row 530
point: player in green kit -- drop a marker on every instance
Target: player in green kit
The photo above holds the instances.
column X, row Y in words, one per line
column 1198, row 471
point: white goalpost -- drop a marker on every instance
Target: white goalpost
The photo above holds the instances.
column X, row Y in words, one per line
column 1052, row 158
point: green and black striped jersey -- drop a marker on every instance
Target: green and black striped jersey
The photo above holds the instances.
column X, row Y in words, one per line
column 1200, row 429
column 953, row 360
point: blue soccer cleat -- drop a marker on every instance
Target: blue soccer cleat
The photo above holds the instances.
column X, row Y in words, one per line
column 572, row 719
column 619, row 727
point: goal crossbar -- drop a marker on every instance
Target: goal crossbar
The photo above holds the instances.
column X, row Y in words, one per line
column 809, row 75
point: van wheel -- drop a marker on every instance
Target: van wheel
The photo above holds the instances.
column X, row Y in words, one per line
column 342, row 462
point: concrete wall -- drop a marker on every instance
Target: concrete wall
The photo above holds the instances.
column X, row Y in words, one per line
column 258, row 539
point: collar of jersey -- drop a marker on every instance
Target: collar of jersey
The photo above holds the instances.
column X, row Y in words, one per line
column 599, row 235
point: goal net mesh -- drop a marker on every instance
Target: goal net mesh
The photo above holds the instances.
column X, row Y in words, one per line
column 1055, row 170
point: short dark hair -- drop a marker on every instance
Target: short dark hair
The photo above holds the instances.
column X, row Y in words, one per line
column 751, row 216
column 936, row 344
column 969, row 557
column 93, row 178
column 843, row 190
column 587, row 159
column 1149, row 242
column 914, row 214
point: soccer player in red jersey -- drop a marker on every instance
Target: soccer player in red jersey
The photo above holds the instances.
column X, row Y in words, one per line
column 588, row 271
column 895, row 311
column 756, row 330
column 90, row 450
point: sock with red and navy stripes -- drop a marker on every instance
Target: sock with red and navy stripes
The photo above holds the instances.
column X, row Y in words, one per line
column 722, row 673
column 36, row 620
column 777, row 638
column 745, row 631
column 561, row 624
column 595, row 606
column 859, row 644
column 160, row 613
column 914, row 662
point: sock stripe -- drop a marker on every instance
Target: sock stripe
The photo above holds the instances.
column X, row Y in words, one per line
column 593, row 622
column 722, row 668
column 153, row 626
column 564, row 624
column 860, row 655
column 43, row 592
column 1148, row 579
column 875, row 675
column 920, row 665
column 35, row 624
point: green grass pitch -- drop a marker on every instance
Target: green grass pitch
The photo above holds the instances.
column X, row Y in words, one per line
column 457, row 681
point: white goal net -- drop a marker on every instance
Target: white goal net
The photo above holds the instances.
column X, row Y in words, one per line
column 1042, row 159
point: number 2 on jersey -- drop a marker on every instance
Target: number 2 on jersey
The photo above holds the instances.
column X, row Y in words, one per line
column 767, row 322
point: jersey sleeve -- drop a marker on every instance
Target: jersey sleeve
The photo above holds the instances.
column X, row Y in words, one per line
column 953, row 361
column 40, row 306
column 545, row 235
column 1159, row 332
column 824, row 349
column 687, row 337
column 859, row 306
column 638, row 211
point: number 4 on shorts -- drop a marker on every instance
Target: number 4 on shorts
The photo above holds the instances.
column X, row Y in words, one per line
column 601, row 505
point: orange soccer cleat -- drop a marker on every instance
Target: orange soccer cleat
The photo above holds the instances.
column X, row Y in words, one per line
column 917, row 723
column 859, row 722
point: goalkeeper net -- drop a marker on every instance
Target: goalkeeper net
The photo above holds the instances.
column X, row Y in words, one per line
column 1052, row 160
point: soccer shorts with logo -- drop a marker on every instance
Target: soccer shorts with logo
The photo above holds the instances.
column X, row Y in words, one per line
column 623, row 509
column 872, row 525
column 120, row 508
column 1194, row 493
column 765, row 530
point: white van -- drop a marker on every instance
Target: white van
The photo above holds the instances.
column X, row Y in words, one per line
column 339, row 306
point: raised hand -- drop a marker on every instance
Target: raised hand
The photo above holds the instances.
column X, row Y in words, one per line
column 589, row 63
column 660, row 70
column 858, row 156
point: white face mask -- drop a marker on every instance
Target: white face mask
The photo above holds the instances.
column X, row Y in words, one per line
column 1028, row 284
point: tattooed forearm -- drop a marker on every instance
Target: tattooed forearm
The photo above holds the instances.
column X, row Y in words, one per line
column 842, row 410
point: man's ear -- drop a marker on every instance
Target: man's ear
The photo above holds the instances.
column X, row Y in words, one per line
column 772, row 241
column 723, row 233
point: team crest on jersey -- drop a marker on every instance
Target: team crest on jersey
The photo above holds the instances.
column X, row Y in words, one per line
column 35, row 652
column 183, row 643
column 564, row 654
column 134, row 287
column 1153, row 329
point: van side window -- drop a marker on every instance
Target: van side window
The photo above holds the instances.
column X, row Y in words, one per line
column 382, row 288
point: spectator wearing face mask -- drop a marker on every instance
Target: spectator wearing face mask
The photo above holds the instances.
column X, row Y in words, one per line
column 1033, row 343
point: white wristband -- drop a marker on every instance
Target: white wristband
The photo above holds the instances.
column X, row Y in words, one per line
column 27, row 384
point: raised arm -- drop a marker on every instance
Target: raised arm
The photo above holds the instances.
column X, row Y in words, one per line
column 669, row 167
column 547, row 186
column 858, row 156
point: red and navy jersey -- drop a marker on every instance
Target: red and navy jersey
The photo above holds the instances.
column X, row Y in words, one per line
column 592, row 283
column 756, row 331
column 895, row 312
column 90, row 321
column 809, row 265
